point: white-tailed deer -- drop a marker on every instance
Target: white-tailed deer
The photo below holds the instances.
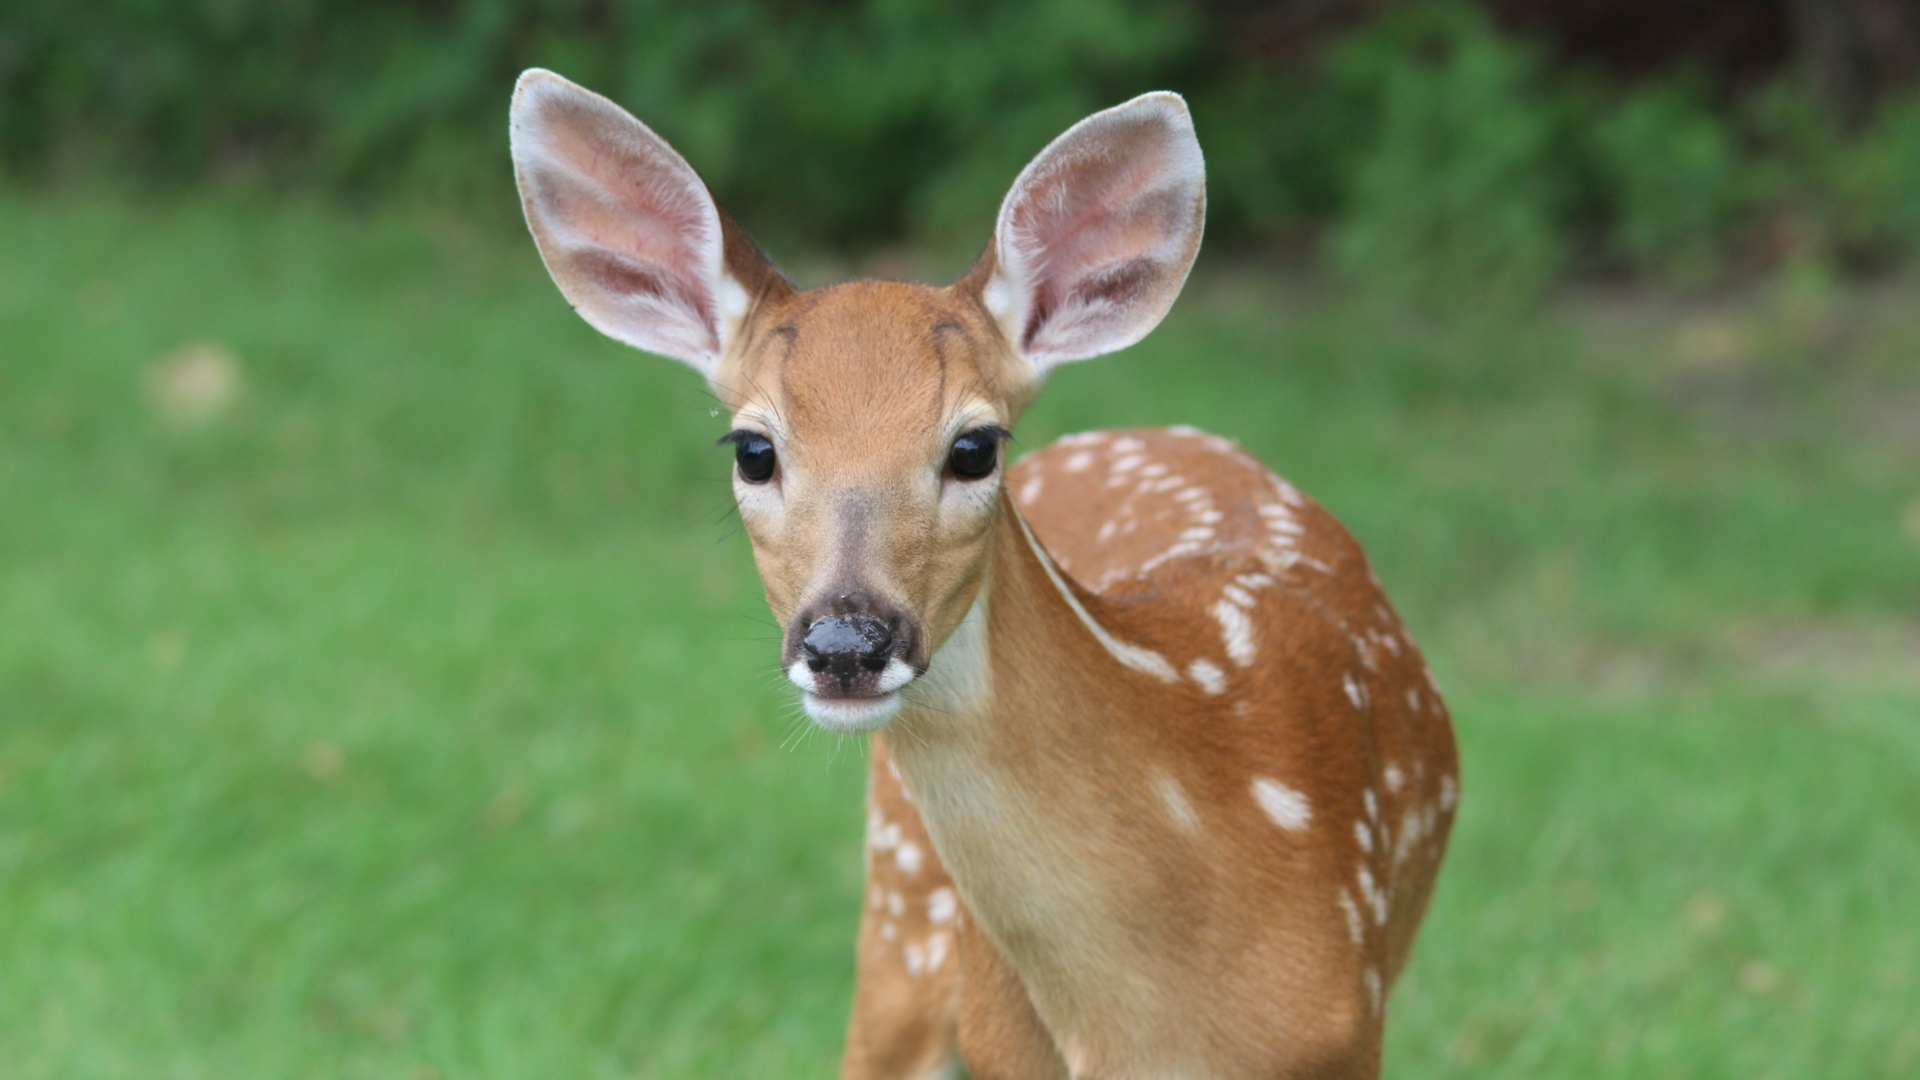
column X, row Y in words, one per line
column 1164, row 783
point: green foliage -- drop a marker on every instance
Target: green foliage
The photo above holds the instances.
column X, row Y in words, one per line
column 1429, row 151
column 1458, row 183
column 1798, row 159
column 841, row 122
column 1676, row 179
column 1879, row 181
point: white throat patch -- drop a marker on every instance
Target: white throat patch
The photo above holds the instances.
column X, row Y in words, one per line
column 959, row 678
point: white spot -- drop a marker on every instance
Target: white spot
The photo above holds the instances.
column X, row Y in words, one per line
column 1190, row 494
column 1198, row 532
column 1078, row 462
column 1414, row 826
column 1082, row 438
column 1372, row 978
column 1366, row 658
column 1209, row 516
column 1030, row 490
column 1254, row 581
column 1279, row 557
column 1375, row 895
column 881, row 835
column 1185, row 431
column 1352, row 688
column 1128, row 445
column 1281, row 522
column 942, row 905
column 888, row 931
column 1155, row 469
column 1287, row 807
column 1238, row 595
column 1128, row 463
column 1133, row 656
column 1449, row 793
column 1413, row 698
column 1356, row 927
column 1106, row 531
column 896, row 906
column 936, row 952
column 1183, row 548
column 1208, row 675
column 907, row 858
column 916, row 958
column 1236, row 632
column 1395, row 778
column 1373, row 804
column 1363, row 836
column 1176, row 802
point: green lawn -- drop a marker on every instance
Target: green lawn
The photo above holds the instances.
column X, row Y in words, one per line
column 413, row 714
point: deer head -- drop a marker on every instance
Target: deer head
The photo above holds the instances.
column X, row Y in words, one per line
column 869, row 420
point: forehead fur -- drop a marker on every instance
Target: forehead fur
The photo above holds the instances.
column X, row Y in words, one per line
column 872, row 357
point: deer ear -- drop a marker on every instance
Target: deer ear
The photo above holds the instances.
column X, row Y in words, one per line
column 1098, row 233
column 627, row 228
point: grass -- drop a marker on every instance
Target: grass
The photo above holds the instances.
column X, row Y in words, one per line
column 409, row 715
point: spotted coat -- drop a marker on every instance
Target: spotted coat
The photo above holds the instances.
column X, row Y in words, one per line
column 1305, row 746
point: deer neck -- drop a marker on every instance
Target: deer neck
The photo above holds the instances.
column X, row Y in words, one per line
column 1021, row 749
column 1033, row 668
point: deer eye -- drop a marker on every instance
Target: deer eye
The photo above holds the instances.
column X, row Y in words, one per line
column 753, row 453
column 975, row 453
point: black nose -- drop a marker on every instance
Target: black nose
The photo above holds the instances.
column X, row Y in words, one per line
column 840, row 642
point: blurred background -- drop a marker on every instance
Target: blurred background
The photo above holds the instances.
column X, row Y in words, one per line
column 384, row 691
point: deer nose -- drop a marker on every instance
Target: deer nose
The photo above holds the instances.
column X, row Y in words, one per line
column 841, row 643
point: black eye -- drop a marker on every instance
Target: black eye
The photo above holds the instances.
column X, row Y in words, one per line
column 754, row 454
column 975, row 453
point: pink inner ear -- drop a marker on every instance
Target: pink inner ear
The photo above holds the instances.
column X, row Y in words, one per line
column 627, row 228
column 657, row 218
column 1101, row 229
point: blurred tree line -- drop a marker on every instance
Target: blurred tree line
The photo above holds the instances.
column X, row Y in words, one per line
column 1413, row 141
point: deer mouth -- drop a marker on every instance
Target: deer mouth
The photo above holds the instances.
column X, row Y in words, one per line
column 863, row 702
column 852, row 716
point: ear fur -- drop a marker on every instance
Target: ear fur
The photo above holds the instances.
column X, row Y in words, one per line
column 626, row 227
column 1098, row 233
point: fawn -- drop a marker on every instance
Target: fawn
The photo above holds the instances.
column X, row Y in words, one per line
column 1159, row 783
